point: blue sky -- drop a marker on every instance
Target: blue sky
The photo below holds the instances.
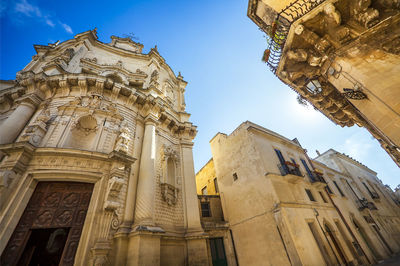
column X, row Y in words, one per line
column 217, row 48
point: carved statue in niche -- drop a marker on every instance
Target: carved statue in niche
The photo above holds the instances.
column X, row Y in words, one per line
column 169, row 161
column 123, row 139
column 363, row 13
column 154, row 79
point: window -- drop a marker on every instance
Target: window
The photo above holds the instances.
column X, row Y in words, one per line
column 310, row 195
column 205, row 209
column 235, row 177
column 216, row 185
column 322, row 196
column 204, row 191
column 338, row 188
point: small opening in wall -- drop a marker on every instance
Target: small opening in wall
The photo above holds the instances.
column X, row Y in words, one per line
column 235, row 177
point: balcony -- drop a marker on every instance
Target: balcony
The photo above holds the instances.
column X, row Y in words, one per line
column 317, row 179
column 291, row 172
column 277, row 33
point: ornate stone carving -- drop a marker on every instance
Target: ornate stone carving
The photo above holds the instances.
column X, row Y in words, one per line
column 114, row 188
column 86, row 124
column 363, row 13
column 354, row 94
column 169, row 152
column 169, row 193
column 140, row 71
column 123, row 139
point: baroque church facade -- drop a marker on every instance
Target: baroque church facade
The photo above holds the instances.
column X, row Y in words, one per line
column 96, row 159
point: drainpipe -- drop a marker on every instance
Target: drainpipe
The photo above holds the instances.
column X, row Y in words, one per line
column 327, row 240
column 346, row 224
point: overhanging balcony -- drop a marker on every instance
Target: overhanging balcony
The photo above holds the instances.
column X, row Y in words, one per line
column 291, row 172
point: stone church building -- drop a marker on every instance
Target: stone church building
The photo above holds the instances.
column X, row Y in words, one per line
column 96, row 159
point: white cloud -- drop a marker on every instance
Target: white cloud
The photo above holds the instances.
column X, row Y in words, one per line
column 50, row 22
column 27, row 9
column 67, row 28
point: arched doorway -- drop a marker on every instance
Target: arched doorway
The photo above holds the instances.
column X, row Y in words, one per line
column 49, row 230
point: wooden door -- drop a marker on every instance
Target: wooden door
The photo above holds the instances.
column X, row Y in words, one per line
column 53, row 205
column 218, row 252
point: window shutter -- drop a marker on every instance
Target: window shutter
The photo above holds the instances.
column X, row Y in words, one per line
column 308, row 170
column 282, row 160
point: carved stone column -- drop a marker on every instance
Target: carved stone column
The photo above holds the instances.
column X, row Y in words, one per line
column 14, row 124
column 145, row 191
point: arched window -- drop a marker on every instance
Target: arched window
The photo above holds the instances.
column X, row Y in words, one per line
column 171, row 171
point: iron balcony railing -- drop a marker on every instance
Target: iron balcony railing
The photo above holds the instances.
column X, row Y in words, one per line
column 365, row 204
column 316, row 177
column 289, row 169
column 280, row 29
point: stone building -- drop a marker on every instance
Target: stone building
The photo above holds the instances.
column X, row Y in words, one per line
column 283, row 208
column 96, row 159
column 341, row 56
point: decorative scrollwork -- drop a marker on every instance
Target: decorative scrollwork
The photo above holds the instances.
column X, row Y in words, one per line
column 354, row 94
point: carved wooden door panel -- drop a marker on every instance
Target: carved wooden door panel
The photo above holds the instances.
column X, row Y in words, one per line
column 52, row 205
